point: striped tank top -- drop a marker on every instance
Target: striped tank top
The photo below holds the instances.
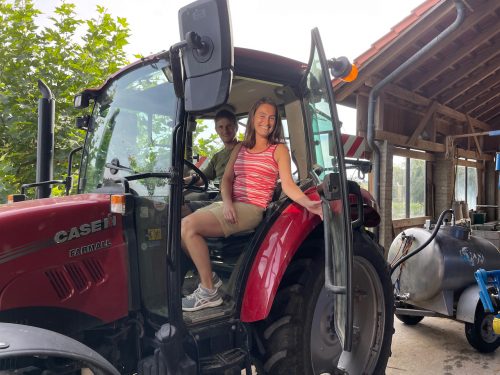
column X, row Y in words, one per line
column 255, row 176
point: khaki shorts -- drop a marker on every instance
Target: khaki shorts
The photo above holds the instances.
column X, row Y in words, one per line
column 248, row 215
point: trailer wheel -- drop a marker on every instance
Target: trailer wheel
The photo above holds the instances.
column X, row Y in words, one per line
column 480, row 334
column 299, row 335
column 410, row 320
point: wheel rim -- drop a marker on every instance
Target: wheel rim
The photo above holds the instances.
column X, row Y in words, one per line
column 487, row 333
column 368, row 318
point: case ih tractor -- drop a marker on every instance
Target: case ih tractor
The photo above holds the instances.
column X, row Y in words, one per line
column 92, row 282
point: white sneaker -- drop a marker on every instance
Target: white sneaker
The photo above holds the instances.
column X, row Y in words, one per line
column 201, row 298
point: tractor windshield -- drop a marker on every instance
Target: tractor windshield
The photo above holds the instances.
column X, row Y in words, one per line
column 130, row 132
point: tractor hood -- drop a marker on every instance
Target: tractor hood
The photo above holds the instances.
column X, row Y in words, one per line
column 60, row 252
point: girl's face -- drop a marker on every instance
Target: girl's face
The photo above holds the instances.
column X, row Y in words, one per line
column 264, row 120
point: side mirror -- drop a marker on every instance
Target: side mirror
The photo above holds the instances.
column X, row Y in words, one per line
column 84, row 123
column 208, row 57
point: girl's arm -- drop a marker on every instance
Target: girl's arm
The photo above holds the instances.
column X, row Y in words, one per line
column 293, row 192
column 227, row 187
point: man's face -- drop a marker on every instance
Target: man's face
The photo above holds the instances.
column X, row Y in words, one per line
column 226, row 129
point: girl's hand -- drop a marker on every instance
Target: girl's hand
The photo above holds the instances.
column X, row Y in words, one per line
column 314, row 207
column 229, row 213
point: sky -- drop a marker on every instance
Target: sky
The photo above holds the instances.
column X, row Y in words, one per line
column 347, row 27
column 280, row 26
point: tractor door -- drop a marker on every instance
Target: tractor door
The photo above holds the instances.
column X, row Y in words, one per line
column 327, row 161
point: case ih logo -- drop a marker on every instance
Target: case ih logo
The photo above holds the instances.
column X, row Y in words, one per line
column 85, row 229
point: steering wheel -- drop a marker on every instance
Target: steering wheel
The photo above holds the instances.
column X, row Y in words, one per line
column 192, row 187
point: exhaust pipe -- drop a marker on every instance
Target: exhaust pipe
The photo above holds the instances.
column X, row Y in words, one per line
column 45, row 140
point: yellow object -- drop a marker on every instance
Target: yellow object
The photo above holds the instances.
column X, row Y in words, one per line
column 496, row 325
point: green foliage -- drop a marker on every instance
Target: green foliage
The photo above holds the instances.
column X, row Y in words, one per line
column 202, row 145
column 69, row 55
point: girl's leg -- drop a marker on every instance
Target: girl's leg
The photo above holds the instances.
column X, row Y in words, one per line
column 194, row 228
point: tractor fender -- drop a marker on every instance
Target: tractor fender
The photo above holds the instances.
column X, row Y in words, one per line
column 280, row 244
column 467, row 303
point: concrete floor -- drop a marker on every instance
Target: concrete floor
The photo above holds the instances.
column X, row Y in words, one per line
column 437, row 346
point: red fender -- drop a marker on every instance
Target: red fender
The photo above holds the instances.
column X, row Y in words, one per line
column 273, row 257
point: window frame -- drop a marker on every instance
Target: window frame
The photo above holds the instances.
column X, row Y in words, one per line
column 409, row 154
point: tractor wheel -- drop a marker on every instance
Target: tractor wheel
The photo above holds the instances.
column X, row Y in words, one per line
column 299, row 335
column 409, row 320
column 480, row 333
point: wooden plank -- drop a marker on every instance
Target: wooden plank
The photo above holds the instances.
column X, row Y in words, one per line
column 489, row 104
column 415, row 98
column 485, row 85
column 423, row 122
column 411, row 222
column 476, row 141
column 404, row 152
column 395, row 47
column 471, row 45
column 469, row 163
column 472, row 80
column 435, row 88
column 402, row 140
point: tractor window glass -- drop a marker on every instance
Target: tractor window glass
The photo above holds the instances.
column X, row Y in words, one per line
column 132, row 125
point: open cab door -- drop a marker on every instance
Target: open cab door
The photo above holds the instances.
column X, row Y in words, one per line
column 327, row 153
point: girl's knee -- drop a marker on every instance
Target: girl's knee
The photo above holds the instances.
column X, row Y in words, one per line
column 188, row 225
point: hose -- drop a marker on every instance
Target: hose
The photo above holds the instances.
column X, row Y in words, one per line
column 417, row 250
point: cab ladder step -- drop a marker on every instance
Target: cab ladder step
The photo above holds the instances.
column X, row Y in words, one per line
column 232, row 358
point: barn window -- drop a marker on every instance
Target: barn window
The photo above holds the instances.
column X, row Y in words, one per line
column 408, row 187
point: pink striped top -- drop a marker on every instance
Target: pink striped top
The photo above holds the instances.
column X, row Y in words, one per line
column 255, row 176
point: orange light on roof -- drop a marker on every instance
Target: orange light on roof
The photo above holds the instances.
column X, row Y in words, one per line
column 118, row 205
column 10, row 198
column 353, row 74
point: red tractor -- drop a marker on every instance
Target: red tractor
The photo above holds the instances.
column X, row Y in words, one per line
column 93, row 282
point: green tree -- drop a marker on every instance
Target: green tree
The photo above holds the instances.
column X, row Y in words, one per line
column 68, row 55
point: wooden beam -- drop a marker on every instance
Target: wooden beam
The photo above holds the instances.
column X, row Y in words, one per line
column 486, row 84
column 404, row 152
column 490, row 115
column 448, row 79
column 412, row 222
column 467, row 83
column 471, row 20
column 423, row 122
column 395, row 47
column 488, row 104
column 415, row 98
column 401, row 140
column 476, row 141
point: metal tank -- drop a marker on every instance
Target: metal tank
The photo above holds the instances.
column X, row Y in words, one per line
column 434, row 278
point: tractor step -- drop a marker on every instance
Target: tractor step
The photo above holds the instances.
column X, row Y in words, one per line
column 196, row 317
column 232, row 358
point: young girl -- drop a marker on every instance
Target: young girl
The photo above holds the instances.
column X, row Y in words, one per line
column 247, row 188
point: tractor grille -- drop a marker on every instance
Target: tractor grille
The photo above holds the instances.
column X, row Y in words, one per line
column 60, row 283
column 78, row 277
column 95, row 270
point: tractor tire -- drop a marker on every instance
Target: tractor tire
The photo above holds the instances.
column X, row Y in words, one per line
column 409, row 320
column 480, row 333
column 299, row 336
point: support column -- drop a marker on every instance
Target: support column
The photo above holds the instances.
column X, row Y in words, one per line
column 444, row 173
